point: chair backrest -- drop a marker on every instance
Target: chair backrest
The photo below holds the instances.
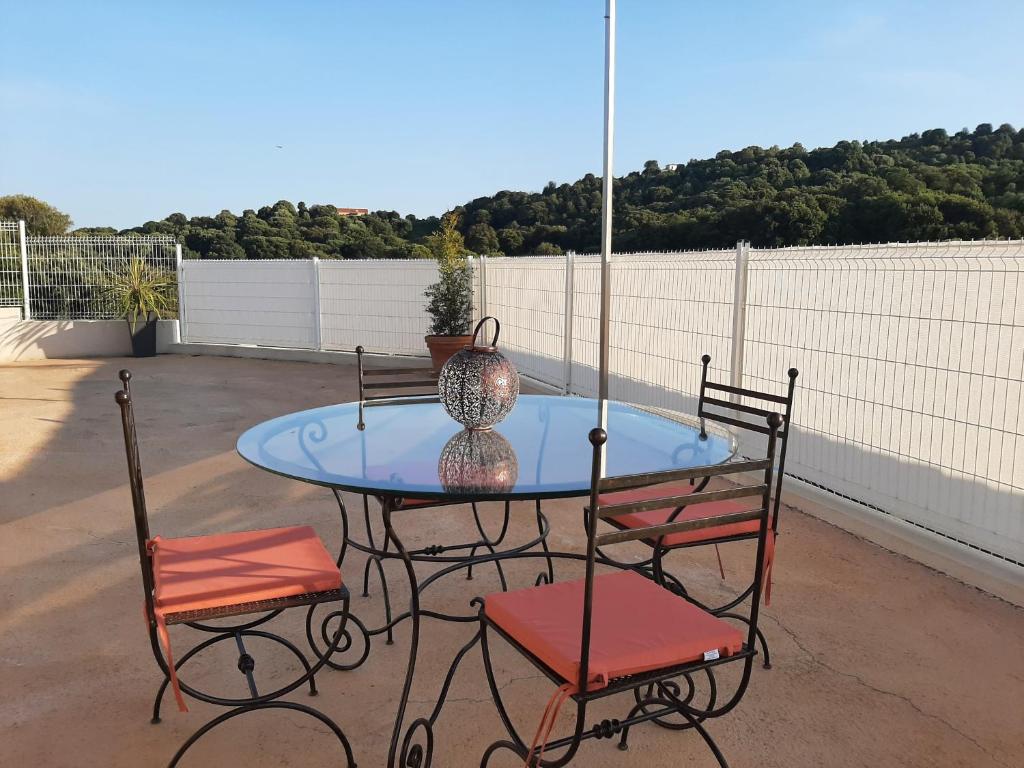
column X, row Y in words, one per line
column 738, row 412
column 759, row 493
column 392, row 383
column 131, row 445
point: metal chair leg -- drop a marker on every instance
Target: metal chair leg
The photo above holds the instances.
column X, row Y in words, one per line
column 227, row 634
column 707, row 738
column 349, row 759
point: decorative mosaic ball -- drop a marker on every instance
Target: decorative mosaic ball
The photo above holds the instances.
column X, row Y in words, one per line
column 475, row 462
column 478, row 385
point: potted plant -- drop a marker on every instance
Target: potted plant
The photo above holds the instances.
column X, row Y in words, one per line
column 143, row 293
column 450, row 299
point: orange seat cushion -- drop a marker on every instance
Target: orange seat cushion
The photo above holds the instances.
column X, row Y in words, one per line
column 633, row 520
column 637, row 626
column 226, row 569
column 647, row 492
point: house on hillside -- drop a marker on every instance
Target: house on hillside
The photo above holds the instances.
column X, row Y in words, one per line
column 353, row 211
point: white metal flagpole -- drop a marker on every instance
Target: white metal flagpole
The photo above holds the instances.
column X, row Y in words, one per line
column 606, row 208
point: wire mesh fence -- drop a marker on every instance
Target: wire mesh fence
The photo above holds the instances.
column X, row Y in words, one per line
column 911, row 361
column 668, row 309
column 68, row 275
column 376, row 304
column 10, row 265
column 527, row 295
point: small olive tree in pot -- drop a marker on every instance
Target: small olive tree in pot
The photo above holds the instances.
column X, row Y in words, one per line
column 141, row 292
column 450, row 299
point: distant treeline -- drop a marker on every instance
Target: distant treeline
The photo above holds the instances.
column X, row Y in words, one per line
column 928, row 186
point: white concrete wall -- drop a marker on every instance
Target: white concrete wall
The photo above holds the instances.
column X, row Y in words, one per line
column 22, row 340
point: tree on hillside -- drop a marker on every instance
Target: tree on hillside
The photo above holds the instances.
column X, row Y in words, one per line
column 40, row 218
column 481, row 238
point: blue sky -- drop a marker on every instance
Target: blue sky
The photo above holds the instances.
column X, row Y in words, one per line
column 122, row 112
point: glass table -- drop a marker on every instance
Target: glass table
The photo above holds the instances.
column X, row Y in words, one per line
column 414, row 449
column 410, row 449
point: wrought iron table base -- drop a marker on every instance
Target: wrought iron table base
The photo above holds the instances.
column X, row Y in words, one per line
column 655, row 701
column 435, row 554
column 413, row 747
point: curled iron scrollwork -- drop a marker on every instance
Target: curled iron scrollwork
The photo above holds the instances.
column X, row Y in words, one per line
column 415, row 754
column 345, row 644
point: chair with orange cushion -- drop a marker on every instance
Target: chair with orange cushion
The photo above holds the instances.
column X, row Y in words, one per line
column 621, row 632
column 254, row 574
column 741, row 414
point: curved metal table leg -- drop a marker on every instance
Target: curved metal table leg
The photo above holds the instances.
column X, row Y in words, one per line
column 343, row 510
column 412, row 755
column 550, row 575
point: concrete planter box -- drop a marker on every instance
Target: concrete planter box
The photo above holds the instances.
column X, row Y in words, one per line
column 63, row 339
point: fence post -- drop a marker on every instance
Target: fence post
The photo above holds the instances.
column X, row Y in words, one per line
column 316, row 303
column 24, row 270
column 739, row 314
column 180, row 333
column 473, row 275
column 570, row 265
column 483, row 285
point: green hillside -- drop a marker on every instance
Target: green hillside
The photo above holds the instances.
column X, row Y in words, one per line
column 928, row 186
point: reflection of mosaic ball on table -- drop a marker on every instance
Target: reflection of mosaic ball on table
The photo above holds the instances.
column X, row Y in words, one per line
column 478, row 386
column 478, row 462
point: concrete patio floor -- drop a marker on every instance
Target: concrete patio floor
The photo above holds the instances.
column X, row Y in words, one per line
column 878, row 661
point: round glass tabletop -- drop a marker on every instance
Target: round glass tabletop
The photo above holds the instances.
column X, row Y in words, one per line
column 415, row 450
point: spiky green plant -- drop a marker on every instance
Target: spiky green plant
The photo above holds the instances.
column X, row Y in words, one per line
column 450, row 304
column 140, row 290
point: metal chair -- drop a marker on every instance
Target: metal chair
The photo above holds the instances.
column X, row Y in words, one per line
column 741, row 414
column 622, row 632
column 258, row 574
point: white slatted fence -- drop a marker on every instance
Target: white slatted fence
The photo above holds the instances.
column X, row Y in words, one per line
column 378, row 304
column 911, row 356
column 262, row 303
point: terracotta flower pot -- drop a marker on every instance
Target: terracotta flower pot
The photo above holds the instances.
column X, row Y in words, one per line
column 443, row 347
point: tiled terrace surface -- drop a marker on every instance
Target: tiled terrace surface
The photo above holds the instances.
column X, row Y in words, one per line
column 878, row 661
